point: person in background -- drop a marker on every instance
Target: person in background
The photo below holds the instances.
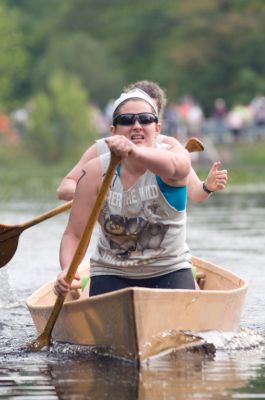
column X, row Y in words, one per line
column 198, row 190
column 142, row 238
column 257, row 106
column 195, row 119
column 219, row 117
column 171, row 120
column 7, row 133
column 235, row 121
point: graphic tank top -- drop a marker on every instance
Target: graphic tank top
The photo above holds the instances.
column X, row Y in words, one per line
column 142, row 229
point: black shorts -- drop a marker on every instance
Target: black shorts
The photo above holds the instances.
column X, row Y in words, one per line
column 181, row 279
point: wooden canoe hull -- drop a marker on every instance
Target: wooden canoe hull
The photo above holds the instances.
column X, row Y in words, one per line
column 137, row 323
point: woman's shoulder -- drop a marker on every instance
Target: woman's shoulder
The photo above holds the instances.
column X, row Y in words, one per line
column 102, row 147
column 164, row 139
column 160, row 138
column 104, row 160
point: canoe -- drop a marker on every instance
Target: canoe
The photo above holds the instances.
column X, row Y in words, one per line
column 138, row 323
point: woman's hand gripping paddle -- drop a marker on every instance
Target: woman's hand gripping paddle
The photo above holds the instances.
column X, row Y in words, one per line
column 9, row 234
column 44, row 338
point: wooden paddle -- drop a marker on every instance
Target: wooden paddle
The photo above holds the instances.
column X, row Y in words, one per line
column 9, row 234
column 44, row 338
column 194, row 144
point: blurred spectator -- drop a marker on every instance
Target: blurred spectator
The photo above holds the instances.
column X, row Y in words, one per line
column 235, row 121
column 6, row 132
column 4, row 122
column 219, row 117
column 257, row 106
column 20, row 119
column 195, row 119
column 171, row 120
column 184, row 107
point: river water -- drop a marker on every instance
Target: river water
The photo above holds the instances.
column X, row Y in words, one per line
column 229, row 229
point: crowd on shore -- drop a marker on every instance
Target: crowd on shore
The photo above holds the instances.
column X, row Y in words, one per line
column 240, row 122
column 182, row 119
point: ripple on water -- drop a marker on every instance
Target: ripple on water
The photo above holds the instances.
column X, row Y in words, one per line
column 26, row 381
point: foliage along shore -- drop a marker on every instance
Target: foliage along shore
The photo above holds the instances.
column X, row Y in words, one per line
column 220, row 43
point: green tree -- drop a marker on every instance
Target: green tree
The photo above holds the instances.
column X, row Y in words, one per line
column 85, row 57
column 214, row 50
column 14, row 57
column 209, row 48
column 60, row 121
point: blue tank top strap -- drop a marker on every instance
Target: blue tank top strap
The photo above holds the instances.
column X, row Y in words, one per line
column 175, row 196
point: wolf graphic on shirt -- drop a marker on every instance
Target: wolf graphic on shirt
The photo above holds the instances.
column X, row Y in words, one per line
column 134, row 234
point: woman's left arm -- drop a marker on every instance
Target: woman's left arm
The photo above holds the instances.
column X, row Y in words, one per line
column 216, row 180
column 172, row 165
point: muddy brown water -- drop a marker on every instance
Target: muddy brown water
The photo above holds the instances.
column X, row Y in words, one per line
column 228, row 230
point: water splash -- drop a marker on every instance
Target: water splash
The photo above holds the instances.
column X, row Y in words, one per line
column 243, row 339
column 8, row 297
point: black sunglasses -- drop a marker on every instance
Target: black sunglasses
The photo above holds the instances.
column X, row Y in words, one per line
column 129, row 119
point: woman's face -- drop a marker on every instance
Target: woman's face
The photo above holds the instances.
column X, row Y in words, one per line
column 139, row 134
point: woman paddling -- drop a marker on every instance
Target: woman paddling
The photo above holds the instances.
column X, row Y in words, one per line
column 142, row 240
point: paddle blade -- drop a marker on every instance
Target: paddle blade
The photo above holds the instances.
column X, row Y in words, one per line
column 194, row 144
column 40, row 342
column 7, row 250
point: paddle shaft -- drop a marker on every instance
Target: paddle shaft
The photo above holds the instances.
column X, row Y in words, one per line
column 44, row 338
column 11, row 231
column 49, row 214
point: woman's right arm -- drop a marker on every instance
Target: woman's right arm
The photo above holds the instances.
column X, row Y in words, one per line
column 84, row 200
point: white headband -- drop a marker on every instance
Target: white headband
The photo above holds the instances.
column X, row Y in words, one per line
column 134, row 94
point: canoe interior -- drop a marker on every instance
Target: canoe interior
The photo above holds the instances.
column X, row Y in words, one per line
column 216, row 278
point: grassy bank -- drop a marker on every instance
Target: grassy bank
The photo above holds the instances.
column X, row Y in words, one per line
column 23, row 176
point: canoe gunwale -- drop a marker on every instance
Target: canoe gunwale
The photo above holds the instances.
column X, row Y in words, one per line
column 133, row 289
column 242, row 285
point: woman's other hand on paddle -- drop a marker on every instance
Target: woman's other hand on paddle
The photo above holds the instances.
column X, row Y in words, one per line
column 216, row 179
column 61, row 287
